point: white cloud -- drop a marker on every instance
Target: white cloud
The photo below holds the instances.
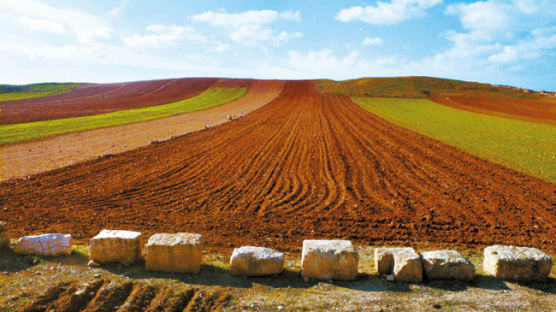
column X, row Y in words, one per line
column 219, row 46
column 261, row 17
column 251, row 27
column 41, row 25
column 372, row 41
column 325, row 64
column 88, row 35
column 85, row 27
column 484, row 17
column 508, row 54
column 291, row 16
column 387, row 13
column 161, row 35
column 510, row 35
column 119, row 8
column 533, row 47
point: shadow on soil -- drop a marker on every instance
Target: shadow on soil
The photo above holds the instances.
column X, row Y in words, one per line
column 214, row 275
column 12, row 263
column 548, row 287
column 211, row 275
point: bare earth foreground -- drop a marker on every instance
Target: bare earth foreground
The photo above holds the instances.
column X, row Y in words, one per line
column 50, row 284
column 306, row 165
column 32, row 157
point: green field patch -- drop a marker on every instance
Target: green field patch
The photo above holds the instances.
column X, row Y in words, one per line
column 35, row 130
column 524, row 146
column 17, row 92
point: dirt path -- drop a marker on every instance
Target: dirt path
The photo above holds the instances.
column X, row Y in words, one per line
column 307, row 165
column 92, row 99
column 28, row 158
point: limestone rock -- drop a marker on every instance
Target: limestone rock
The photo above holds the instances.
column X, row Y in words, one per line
column 447, row 265
column 384, row 258
column 180, row 252
column 408, row 266
column 44, row 245
column 256, row 261
column 329, row 259
column 116, row 246
column 4, row 237
column 516, row 263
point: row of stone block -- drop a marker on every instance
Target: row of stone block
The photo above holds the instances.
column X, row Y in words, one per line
column 321, row 259
column 504, row 262
column 404, row 264
column 179, row 253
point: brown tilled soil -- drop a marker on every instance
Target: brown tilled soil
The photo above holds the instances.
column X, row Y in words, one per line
column 92, row 99
column 32, row 157
column 542, row 109
column 306, row 165
column 124, row 296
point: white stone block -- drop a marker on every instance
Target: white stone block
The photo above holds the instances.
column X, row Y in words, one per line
column 180, row 252
column 44, row 245
column 111, row 246
column 256, row 261
column 447, row 265
column 516, row 263
column 408, row 266
column 329, row 259
column 384, row 259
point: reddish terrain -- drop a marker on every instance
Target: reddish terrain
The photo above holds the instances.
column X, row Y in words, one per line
column 542, row 109
column 92, row 99
column 32, row 157
column 305, row 165
column 483, row 98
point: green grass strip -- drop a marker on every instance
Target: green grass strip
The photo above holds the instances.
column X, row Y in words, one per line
column 9, row 93
column 40, row 129
column 524, row 146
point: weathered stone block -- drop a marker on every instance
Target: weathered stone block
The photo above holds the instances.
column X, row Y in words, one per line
column 256, row 261
column 384, row 259
column 44, row 245
column 180, row 252
column 116, row 246
column 408, row 266
column 447, row 265
column 329, row 259
column 516, row 263
column 4, row 237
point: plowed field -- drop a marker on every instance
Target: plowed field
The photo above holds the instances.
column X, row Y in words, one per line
column 32, row 157
column 92, row 99
column 542, row 109
column 305, row 165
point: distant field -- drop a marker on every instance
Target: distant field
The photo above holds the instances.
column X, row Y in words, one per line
column 34, row 130
column 483, row 98
column 416, row 87
column 525, row 146
column 10, row 93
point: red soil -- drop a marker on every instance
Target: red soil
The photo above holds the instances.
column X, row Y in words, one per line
column 540, row 110
column 306, row 165
column 32, row 157
column 92, row 99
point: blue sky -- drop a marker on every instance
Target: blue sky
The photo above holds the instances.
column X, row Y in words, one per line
column 496, row 41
